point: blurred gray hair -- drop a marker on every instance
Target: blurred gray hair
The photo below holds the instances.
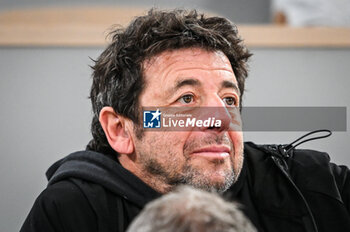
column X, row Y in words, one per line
column 188, row 210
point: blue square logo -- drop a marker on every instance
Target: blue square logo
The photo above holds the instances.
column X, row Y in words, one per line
column 151, row 118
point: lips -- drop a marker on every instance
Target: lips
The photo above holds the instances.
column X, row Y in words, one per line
column 217, row 152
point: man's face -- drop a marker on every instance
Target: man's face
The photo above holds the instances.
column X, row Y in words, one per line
column 210, row 158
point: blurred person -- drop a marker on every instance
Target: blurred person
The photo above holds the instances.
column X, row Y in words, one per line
column 183, row 59
column 190, row 210
column 335, row 13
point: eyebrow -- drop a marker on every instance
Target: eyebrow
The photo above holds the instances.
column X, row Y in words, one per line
column 193, row 82
column 181, row 83
column 184, row 82
column 230, row 84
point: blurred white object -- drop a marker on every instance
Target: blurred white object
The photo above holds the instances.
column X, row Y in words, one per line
column 314, row 12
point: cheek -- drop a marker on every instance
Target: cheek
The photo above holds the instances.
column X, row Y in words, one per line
column 236, row 120
column 237, row 141
column 236, row 135
column 165, row 144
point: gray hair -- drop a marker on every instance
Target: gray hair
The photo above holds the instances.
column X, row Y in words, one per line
column 187, row 210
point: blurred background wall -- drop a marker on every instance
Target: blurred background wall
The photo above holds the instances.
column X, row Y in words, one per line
column 245, row 11
column 45, row 113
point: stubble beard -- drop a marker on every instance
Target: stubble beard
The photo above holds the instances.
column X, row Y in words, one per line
column 172, row 176
column 196, row 179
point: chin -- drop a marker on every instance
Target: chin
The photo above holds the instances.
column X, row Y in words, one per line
column 218, row 181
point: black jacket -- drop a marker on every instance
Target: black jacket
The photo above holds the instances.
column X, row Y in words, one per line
column 88, row 191
column 301, row 191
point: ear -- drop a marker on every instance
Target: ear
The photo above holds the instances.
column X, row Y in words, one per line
column 115, row 130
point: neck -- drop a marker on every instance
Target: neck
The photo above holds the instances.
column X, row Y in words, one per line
column 156, row 182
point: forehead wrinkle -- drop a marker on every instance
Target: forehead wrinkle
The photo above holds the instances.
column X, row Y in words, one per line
column 171, row 58
column 205, row 69
column 157, row 62
column 168, row 66
column 179, row 78
column 166, row 70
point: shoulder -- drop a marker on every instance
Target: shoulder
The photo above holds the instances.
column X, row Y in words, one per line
column 78, row 205
column 65, row 200
column 77, row 196
column 62, row 193
column 61, row 207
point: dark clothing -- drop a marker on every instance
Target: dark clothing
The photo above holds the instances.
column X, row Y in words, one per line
column 89, row 191
column 302, row 192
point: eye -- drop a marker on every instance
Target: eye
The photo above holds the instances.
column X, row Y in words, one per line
column 186, row 99
column 230, row 101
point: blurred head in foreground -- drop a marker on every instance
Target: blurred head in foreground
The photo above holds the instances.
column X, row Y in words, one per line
column 187, row 210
